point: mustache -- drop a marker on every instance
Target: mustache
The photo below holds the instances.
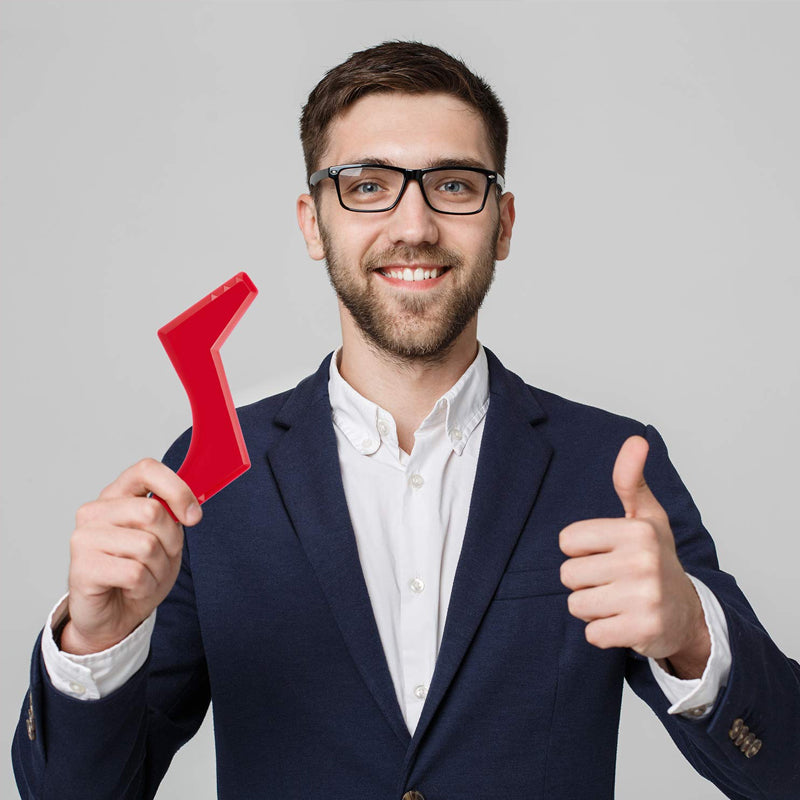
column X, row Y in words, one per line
column 427, row 254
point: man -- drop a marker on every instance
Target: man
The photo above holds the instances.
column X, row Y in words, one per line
column 434, row 578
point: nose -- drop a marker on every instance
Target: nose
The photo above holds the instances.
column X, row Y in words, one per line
column 412, row 221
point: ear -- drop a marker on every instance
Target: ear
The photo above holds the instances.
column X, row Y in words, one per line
column 507, row 216
column 307, row 220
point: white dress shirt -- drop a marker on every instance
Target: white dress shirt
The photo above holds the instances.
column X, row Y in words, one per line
column 409, row 515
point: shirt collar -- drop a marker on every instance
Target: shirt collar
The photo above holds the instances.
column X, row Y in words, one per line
column 365, row 423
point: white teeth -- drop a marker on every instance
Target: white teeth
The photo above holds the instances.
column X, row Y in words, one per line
column 407, row 274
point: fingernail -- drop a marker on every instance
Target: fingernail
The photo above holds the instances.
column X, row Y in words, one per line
column 193, row 514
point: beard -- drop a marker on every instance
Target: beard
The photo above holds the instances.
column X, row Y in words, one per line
column 418, row 326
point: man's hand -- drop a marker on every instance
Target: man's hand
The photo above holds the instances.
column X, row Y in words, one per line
column 627, row 582
column 125, row 555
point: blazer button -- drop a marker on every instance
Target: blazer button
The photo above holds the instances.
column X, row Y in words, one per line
column 413, row 795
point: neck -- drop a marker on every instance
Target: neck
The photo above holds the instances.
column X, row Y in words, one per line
column 406, row 388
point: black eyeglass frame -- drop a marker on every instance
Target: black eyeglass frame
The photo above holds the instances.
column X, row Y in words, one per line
column 494, row 178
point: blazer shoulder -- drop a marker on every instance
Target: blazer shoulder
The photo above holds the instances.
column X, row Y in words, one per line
column 556, row 414
column 571, row 416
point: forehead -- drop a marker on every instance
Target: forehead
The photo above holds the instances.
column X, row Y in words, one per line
column 409, row 130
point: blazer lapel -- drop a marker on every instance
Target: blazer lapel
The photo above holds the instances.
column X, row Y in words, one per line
column 511, row 466
column 305, row 463
column 512, row 462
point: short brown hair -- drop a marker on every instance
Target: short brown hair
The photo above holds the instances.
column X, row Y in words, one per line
column 396, row 66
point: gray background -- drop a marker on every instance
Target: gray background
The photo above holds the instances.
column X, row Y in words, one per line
column 150, row 151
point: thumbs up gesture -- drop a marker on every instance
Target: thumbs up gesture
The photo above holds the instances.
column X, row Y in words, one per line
column 626, row 580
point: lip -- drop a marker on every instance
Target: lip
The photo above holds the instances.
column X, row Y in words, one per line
column 414, row 286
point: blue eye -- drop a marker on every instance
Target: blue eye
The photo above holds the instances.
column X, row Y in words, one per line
column 453, row 187
column 367, row 188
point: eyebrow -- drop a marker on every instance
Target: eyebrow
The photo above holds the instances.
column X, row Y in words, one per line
column 442, row 161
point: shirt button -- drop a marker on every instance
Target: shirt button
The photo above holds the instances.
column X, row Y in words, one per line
column 697, row 711
column 78, row 688
column 456, row 434
column 368, row 444
column 417, row 585
column 416, row 480
column 421, row 692
column 383, row 427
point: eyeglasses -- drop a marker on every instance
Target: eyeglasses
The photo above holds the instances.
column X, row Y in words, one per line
column 370, row 188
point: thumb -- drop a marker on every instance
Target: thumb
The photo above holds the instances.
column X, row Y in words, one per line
column 629, row 482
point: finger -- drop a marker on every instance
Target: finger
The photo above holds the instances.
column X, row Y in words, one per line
column 597, row 569
column 588, row 536
column 608, row 632
column 628, row 478
column 149, row 475
column 141, row 546
column 97, row 572
column 139, row 513
column 597, row 602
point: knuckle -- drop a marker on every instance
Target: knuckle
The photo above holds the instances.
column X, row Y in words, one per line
column 75, row 548
column 84, row 514
column 175, row 550
column 594, row 636
column 149, row 546
column 647, row 563
column 137, row 574
column 150, row 511
column 146, row 467
column 79, row 542
column 645, row 532
column 106, row 491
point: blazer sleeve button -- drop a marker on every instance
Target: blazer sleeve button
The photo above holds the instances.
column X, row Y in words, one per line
column 742, row 736
column 747, row 743
column 30, row 721
column 413, row 794
column 736, row 728
column 753, row 749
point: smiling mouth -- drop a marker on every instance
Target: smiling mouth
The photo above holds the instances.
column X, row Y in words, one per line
column 415, row 275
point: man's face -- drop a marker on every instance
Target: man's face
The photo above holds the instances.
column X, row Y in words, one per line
column 419, row 319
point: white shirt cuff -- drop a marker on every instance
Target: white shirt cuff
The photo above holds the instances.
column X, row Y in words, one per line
column 96, row 675
column 696, row 697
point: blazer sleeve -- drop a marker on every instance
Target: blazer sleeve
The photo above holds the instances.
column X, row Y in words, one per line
column 763, row 689
column 118, row 747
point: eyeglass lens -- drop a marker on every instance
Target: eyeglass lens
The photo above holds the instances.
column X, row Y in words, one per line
column 376, row 189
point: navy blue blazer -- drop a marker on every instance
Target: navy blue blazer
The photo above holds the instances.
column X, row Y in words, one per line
column 271, row 618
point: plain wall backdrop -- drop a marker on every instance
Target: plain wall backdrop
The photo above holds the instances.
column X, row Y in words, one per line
column 150, row 151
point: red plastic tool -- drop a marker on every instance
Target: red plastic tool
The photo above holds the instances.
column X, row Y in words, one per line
column 217, row 453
